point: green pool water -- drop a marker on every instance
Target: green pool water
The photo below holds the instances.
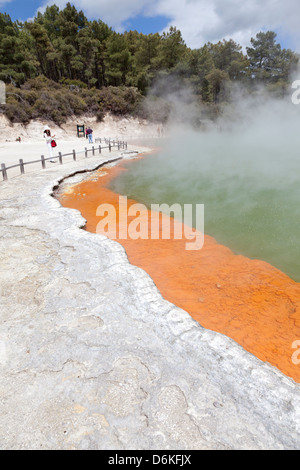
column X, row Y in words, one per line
column 248, row 182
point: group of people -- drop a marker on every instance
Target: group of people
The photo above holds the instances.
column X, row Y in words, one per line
column 50, row 139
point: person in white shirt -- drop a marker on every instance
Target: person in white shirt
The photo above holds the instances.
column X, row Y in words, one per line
column 48, row 137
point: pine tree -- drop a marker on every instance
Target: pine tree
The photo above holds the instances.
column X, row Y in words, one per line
column 16, row 61
column 268, row 62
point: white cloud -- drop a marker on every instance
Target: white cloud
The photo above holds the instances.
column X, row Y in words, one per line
column 201, row 21
column 4, row 2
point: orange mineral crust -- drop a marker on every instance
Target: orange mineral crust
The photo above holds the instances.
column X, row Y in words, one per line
column 248, row 300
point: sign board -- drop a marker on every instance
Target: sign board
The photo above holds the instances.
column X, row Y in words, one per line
column 80, row 131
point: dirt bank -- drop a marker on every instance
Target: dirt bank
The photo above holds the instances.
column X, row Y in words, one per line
column 111, row 126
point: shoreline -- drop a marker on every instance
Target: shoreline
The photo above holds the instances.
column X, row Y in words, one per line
column 260, row 301
column 92, row 357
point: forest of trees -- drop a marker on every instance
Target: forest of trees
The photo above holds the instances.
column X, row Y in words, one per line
column 61, row 63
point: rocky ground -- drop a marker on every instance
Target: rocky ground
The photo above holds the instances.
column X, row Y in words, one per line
column 92, row 356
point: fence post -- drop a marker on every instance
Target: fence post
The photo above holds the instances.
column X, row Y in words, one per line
column 43, row 162
column 60, row 157
column 126, row 145
column 100, row 148
column 93, row 149
column 22, row 166
column 118, row 145
column 86, row 152
column 4, row 172
column 109, row 146
column 74, row 155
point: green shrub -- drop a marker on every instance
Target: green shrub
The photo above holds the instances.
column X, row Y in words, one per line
column 42, row 98
column 100, row 116
column 16, row 112
column 39, row 83
column 77, row 105
column 120, row 100
column 76, row 83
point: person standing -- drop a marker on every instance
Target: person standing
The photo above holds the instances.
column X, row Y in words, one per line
column 48, row 137
column 89, row 132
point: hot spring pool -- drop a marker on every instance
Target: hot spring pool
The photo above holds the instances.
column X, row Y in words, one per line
column 248, row 183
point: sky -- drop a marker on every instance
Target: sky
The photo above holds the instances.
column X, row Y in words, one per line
column 199, row 21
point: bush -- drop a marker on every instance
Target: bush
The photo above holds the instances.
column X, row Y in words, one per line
column 74, row 104
column 100, row 116
column 42, row 98
column 39, row 83
column 73, row 83
column 15, row 112
column 92, row 99
column 120, row 100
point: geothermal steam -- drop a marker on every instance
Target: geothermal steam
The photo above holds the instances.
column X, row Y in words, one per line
column 244, row 168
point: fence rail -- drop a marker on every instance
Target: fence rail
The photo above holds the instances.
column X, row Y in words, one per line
column 110, row 144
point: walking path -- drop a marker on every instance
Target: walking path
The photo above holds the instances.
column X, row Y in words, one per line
column 11, row 152
column 92, row 356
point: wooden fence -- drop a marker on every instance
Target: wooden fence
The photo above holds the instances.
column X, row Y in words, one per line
column 59, row 157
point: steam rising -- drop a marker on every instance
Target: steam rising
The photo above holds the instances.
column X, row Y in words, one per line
column 244, row 168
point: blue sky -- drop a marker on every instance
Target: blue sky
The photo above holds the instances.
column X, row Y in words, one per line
column 147, row 25
column 20, row 9
column 199, row 21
